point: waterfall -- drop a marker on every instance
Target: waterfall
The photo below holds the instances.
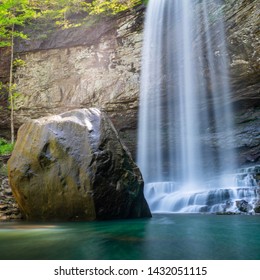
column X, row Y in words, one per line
column 185, row 129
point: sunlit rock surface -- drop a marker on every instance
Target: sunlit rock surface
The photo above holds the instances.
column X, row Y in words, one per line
column 73, row 166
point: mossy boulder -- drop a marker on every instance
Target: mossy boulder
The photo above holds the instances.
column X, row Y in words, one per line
column 73, row 166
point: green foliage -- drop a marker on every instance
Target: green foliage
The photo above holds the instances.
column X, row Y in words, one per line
column 5, row 147
column 58, row 11
column 18, row 63
column 110, row 6
column 61, row 12
column 15, row 94
column 13, row 13
column 53, row 12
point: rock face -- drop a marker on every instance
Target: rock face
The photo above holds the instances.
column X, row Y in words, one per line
column 242, row 22
column 82, row 68
column 257, row 208
column 100, row 66
column 8, row 207
column 73, row 166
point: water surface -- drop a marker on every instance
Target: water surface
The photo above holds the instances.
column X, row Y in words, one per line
column 173, row 236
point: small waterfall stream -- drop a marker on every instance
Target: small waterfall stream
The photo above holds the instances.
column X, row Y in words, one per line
column 185, row 131
column 166, row 197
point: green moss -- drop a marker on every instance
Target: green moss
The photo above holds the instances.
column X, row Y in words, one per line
column 5, row 147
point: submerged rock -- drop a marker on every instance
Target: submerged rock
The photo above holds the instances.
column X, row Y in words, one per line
column 73, row 166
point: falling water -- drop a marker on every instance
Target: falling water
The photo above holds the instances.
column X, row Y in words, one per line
column 185, row 117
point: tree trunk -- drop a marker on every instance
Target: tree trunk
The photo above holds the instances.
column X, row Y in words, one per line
column 11, row 99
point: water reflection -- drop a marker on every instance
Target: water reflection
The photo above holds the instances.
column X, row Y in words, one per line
column 206, row 237
column 24, row 226
column 162, row 237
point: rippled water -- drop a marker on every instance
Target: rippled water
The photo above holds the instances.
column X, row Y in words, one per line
column 177, row 236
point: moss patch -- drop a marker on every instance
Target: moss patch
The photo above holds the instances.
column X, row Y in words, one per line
column 5, row 147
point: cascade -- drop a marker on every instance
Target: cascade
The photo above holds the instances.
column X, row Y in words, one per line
column 185, row 129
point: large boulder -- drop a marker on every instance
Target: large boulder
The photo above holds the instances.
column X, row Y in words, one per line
column 73, row 166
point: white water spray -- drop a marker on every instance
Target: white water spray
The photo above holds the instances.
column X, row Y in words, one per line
column 185, row 118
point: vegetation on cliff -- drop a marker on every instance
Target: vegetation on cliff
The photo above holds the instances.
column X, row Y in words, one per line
column 13, row 13
column 5, row 147
column 62, row 11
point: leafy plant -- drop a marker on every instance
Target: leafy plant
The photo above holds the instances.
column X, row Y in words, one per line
column 18, row 62
column 5, row 147
column 13, row 13
column 109, row 6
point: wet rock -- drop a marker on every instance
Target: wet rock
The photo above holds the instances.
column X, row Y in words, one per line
column 257, row 207
column 8, row 207
column 226, row 206
column 243, row 206
column 3, row 218
column 8, row 192
column 73, row 166
column 3, row 207
column 226, row 213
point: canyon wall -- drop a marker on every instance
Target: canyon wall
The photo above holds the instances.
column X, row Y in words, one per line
column 242, row 29
column 100, row 66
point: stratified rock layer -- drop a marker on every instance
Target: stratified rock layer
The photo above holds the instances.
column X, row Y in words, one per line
column 73, row 166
